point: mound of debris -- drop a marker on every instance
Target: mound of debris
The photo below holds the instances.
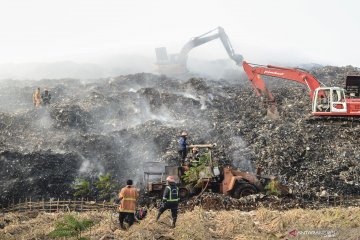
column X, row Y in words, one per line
column 215, row 201
column 115, row 125
column 37, row 173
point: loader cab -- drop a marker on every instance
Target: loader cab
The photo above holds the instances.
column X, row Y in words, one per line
column 327, row 100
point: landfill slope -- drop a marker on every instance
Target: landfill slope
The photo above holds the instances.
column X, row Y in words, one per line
column 116, row 125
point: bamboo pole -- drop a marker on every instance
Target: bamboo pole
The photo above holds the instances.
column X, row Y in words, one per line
column 57, row 205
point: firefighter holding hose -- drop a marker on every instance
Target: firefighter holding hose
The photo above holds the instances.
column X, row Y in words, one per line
column 128, row 197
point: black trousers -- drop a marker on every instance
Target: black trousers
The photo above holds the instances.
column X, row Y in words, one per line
column 130, row 218
column 183, row 154
column 173, row 209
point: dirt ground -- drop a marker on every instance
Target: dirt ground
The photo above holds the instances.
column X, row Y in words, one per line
column 333, row 223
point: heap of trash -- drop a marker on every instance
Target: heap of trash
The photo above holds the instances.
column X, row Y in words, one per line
column 116, row 125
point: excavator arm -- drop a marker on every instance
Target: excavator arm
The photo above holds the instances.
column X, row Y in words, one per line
column 254, row 73
column 207, row 37
column 181, row 58
column 193, row 43
column 228, row 47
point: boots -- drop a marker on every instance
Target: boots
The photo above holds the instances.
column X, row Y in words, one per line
column 173, row 223
column 122, row 226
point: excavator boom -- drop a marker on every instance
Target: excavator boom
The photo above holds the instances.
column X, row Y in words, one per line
column 176, row 64
column 254, row 73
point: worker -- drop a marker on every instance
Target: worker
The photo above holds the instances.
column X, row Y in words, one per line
column 170, row 200
column 324, row 104
column 46, row 97
column 195, row 155
column 182, row 146
column 128, row 197
column 37, row 98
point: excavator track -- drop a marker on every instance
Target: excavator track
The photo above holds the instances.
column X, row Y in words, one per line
column 340, row 121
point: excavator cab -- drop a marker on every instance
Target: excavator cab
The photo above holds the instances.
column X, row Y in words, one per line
column 328, row 100
column 168, row 64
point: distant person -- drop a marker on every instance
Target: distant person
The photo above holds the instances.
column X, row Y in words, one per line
column 182, row 146
column 170, row 200
column 37, row 98
column 128, row 197
column 46, row 97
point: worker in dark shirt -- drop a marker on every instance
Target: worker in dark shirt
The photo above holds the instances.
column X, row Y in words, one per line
column 182, row 146
column 46, row 97
column 170, row 200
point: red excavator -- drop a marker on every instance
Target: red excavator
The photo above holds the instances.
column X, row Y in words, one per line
column 326, row 101
column 175, row 64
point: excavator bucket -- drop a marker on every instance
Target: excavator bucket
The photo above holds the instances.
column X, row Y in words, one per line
column 272, row 112
column 273, row 115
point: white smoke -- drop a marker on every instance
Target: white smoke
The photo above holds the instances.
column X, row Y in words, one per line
column 240, row 155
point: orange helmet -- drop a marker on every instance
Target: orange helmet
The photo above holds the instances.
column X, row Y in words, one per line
column 170, row 179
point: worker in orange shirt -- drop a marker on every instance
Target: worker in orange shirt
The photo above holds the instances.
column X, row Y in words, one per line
column 37, row 98
column 128, row 197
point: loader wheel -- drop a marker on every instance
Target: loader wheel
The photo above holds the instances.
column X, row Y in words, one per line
column 243, row 189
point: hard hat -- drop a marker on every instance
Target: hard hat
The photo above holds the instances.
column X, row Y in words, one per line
column 184, row 133
column 170, row 179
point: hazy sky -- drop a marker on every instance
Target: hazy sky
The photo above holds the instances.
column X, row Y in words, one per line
column 323, row 31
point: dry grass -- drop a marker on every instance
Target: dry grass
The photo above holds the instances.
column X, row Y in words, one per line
column 197, row 224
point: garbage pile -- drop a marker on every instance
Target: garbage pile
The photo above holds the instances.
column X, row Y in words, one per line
column 215, row 201
column 115, row 125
